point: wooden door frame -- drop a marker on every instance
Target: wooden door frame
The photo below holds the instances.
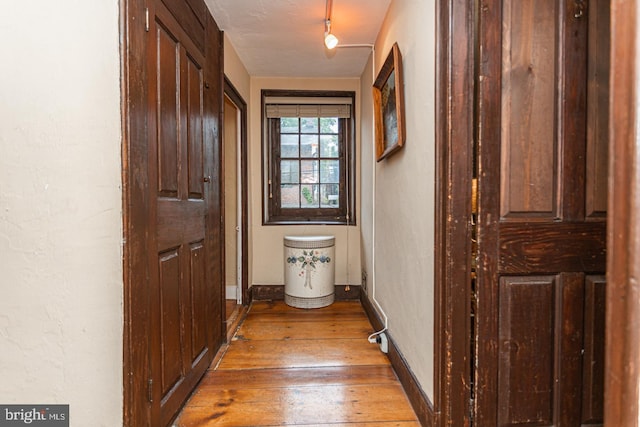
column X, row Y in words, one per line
column 455, row 105
column 454, row 160
column 622, row 351
column 232, row 93
column 137, row 202
column 135, row 205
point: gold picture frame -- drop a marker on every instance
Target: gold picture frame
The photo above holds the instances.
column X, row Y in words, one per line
column 388, row 106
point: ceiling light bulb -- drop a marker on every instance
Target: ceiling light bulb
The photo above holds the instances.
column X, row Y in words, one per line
column 330, row 41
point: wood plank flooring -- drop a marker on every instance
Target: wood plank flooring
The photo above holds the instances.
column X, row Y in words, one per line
column 288, row 366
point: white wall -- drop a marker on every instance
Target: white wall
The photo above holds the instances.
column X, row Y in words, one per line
column 401, row 195
column 60, row 208
column 267, row 251
column 235, row 70
column 239, row 77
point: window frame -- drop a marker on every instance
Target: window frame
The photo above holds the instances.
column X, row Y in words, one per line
column 273, row 213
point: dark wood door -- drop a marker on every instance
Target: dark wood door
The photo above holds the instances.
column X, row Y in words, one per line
column 542, row 198
column 186, row 286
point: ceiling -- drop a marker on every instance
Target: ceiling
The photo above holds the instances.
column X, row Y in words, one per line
column 285, row 38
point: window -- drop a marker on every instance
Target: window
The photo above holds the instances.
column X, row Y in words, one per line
column 309, row 168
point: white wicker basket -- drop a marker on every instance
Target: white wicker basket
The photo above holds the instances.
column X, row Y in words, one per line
column 309, row 271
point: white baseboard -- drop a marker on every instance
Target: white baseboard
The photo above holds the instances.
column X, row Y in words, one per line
column 231, row 292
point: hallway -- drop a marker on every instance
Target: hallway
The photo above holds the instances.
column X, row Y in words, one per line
column 287, row 366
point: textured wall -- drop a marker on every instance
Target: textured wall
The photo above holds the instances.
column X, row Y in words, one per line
column 267, row 250
column 60, row 208
column 399, row 233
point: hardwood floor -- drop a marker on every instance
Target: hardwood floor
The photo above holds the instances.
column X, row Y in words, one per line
column 288, row 366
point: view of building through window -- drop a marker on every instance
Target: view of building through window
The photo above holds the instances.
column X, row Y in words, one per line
column 309, row 146
column 309, row 165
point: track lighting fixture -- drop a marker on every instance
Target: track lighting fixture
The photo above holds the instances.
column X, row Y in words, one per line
column 330, row 41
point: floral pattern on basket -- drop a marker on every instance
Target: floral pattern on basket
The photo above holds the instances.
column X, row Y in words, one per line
column 308, row 261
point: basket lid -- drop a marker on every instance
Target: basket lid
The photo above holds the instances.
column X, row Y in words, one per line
column 309, row 242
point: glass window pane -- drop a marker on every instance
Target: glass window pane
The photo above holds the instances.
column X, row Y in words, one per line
column 289, row 125
column 328, row 145
column 289, row 172
column 329, row 171
column 309, row 172
column 329, row 125
column 289, row 146
column 309, row 196
column 308, row 145
column 289, row 196
column 309, row 125
column 330, row 195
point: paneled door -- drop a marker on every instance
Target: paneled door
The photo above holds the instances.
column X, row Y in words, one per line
column 183, row 178
column 542, row 195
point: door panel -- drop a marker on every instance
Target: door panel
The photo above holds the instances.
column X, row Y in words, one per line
column 528, row 93
column 183, row 342
column 593, row 364
column 541, row 218
column 172, row 95
column 598, row 108
column 195, row 104
column 198, row 293
column 167, row 124
column 169, row 263
column 524, row 349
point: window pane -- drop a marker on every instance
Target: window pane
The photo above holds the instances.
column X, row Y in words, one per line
column 289, row 196
column 329, row 125
column 330, row 195
column 289, row 172
column 309, row 125
column 309, row 172
column 329, row 171
column 289, row 125
column 289, row 146
column 309, row 196
column 308, row 145
column 328, row 145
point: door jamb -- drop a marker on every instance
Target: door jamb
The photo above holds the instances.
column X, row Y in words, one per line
column 454, row 135
column 232, row 93
column 135, row 205
column 622, row 350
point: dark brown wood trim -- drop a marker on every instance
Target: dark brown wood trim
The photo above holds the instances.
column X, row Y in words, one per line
column 136, row 369
column 215, row 74
column 236, row 98
column 454, row 131
column 347, row 292
column 488, row 134
column 419, row 400
column 267, row 292
column 271, row 214
column 232, row 325
column 623, row 298
column 276, row 292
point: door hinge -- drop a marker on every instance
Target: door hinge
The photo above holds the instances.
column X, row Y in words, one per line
column 473, row 222
column 150, row 389
column 270, row 193
column 146, row 19
column 472, row 408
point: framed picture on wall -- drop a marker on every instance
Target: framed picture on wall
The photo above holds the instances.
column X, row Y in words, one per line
column 388, row 106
